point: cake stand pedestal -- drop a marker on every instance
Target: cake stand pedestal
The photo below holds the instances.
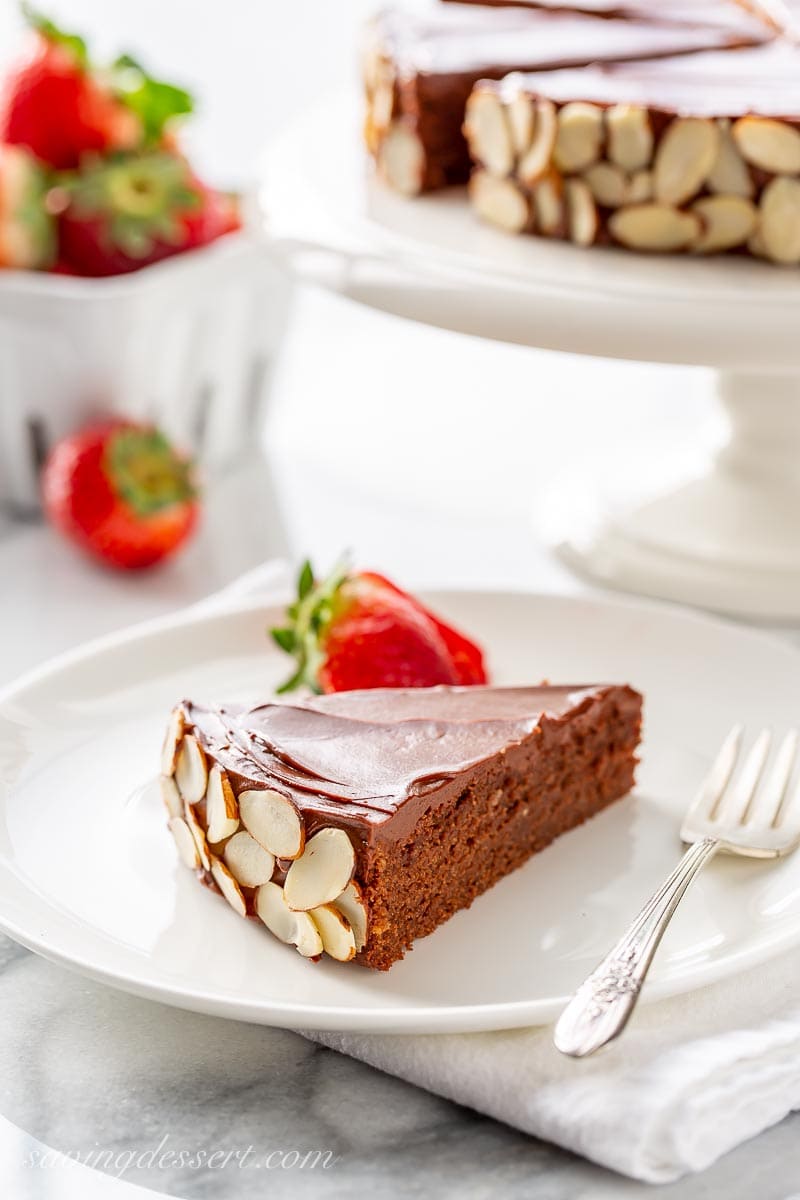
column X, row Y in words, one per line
column 729, row 540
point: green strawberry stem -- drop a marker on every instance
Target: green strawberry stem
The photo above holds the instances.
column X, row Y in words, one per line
column 308, row 619
column 49, row 30
column 154, row 101
column 140, row 199
column 146, row 472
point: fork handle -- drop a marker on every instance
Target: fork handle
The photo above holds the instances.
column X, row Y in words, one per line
column 602, row 1006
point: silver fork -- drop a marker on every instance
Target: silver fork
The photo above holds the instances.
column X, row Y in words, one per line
column 736, row 817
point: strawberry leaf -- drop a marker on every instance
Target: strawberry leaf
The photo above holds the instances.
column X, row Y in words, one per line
column 297, row 680
column 305, row 581
column 309, row 617
column 49, row 30
column 285, row 638
column 154, row 101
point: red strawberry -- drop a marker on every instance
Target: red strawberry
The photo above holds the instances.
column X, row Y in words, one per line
column 358, row 630
column 54, row 105
column 217, row 213
column 27, row 231
column 129, row 211
column 466, row 655
column 121, row 493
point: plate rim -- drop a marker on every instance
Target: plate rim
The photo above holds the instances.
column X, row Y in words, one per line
column 425, row 1019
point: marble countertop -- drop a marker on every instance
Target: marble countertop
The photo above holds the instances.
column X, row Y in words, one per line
column 91, row 1071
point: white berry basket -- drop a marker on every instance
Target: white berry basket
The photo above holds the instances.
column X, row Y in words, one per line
column 187, row 343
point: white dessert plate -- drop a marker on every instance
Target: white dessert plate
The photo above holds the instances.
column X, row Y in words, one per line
column 89, row 875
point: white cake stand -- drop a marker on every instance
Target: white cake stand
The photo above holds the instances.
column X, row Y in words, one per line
column 729, row 540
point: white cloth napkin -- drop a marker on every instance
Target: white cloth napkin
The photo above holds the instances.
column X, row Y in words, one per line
column 691, row 1078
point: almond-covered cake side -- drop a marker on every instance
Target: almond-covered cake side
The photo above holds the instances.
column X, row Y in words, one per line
column 698, row 155
column 354, row 823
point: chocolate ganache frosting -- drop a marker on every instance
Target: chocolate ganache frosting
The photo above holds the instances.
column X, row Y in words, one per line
column 362, row 756
column 705, row 84
column 451, row 40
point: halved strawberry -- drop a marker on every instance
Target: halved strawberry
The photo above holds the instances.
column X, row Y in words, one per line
column 27, row 231
column 358, row 630
column 125, row 212
column 467, row 656
column 121, row 493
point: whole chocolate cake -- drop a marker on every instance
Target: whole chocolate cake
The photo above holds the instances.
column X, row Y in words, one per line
column 420, row 66
column 659, row 127
column 356, row 823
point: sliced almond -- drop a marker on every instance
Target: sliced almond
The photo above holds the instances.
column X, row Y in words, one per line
column 641, row 187
column 273, row 910
column 250, row 864
column 769, row 144
column 351, row 903
column 401, row 159
column 228, row 886
column 685, row 155
column 656, row 228
column 172, row 741
column 537, row 158
column 187, row 847
column 608, row 183
column 371, row 134
column 373, row 64
column 548, row 205
column 293, row 928
column 488, row 133
column 308, row 940
column 198, row 834
column 379, row 84
column 728, row 221
column 171, row 796
column 322, row 871
column 382, row 107
column 521, row 120
column 581, row 212
column 730, row 174
column 338, row 939
column 273, row 821
column 579, row 137
column 780, row 220
column 756, row 246
column 499, row 201
column 222, row 811
column 191, row 773
column 630, row 136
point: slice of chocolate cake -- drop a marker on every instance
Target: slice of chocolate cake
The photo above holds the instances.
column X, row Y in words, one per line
column 358, row 822
column 420, row 67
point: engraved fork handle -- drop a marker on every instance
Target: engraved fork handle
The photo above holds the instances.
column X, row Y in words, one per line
column 602, row 1006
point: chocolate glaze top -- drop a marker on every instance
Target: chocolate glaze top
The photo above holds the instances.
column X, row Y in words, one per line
column 455, row 39
column 717, row 12
column 762, row 79
column 359, row 757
